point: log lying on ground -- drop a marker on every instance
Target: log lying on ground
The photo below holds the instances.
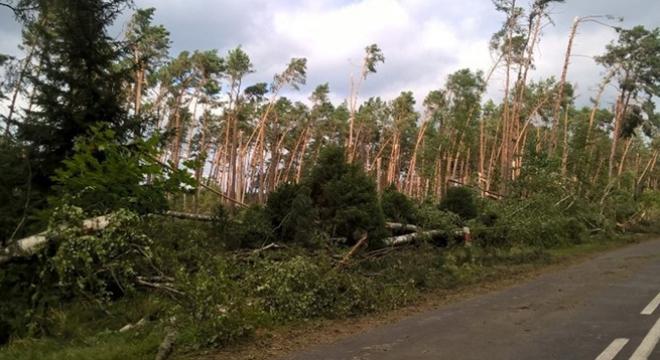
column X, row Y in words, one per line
column 408, row 238
column 167, row 346
column 399, row 226
column 188, row 216
column 31, row 245
column 353, row 251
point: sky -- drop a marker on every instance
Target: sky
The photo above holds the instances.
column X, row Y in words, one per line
column 423, row 40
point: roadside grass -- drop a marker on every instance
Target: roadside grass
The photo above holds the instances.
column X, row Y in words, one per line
column 376, row 284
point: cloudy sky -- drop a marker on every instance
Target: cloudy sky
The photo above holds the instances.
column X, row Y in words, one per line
column 423, row 40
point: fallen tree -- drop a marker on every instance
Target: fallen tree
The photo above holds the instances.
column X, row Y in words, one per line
column 408, row 238
column 32, row 244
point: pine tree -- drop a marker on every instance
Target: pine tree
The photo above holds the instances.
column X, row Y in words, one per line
column 78, row 85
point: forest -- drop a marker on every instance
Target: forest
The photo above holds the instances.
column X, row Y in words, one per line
column 155, row 205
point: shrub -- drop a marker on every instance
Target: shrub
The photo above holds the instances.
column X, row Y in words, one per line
column 430, row 217
column 345, row 197
column 397, row 206
column 460, row 200
column 252, row 227
column 288, row 289
column 292, row 214
column 215, row 311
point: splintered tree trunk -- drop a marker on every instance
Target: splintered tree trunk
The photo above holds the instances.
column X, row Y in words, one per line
column 176, row 147
column 412, row 168
column 594, row 109
column 622, row 163
column 564, row 153
column 650, row 165
column 139, row 81
column 17, row 90
column 379, row 175
column 301, row 159
column 621, row 106
column 562, row 83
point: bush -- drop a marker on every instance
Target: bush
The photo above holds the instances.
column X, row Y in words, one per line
column 460, row 200
column 345, row 197
column 397, row 206
column 288, row 289
column 292, row 214
column 215, row 311
column 252, row 228
column 430, row 217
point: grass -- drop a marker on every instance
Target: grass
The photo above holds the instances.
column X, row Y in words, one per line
column 104, row 346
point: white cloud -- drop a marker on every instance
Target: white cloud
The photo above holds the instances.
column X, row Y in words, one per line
column 423, row 40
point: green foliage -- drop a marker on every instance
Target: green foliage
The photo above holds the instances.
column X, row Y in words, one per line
column 289, row 289
column 253, row 227
column 215, row 311
column 345, row 197
column 460, row 200
column 17, row 197
column 77, row 86
column 102, row 266
column 292, row 213
column 397, row 206
column 430, row 217
column 104, row 175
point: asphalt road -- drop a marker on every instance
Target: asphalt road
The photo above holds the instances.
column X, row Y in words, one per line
column 604, row 308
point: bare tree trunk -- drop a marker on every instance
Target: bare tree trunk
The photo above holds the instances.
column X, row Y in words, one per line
column 562, row 83
column 624, row 156
column 17, row 90
column 564, row 153
column 176, row 148
column 618, row 118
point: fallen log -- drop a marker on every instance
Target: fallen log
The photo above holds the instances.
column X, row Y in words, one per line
column 138, row 324
column 188, row 216
column 31, row 245
column 353, row 251
column 408, row 238
column 167, row 346
column 167, row 287
column 399, row 226
column 267, row 247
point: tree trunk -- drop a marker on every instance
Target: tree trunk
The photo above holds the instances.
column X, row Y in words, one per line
column 562, row 83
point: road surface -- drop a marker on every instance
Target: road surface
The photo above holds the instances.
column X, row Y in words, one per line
column 602, row 309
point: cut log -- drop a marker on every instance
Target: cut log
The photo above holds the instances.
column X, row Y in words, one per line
column 31, row 245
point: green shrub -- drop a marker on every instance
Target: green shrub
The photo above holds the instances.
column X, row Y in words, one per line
column 215, row 310
column 397, row 206
column 460, row 200
column 292, row 214
column 345, row 197
column 288, row 290
column 252, row 228
column 430, row 217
